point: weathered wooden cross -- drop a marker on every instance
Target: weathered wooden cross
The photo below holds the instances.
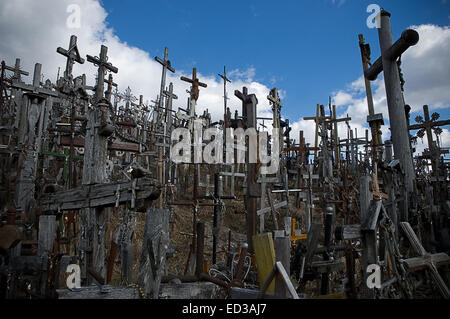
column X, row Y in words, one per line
column 390, row 52
column 18, row 72
column 427, row 261
column 249, row 102
column 166, row 65
column 103, row 66
column 72, row 55
column 225, row 97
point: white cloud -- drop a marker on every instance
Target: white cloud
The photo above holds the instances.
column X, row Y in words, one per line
column 32, row 32
column 426, row 68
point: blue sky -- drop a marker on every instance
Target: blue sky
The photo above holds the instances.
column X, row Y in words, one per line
column 309, row 49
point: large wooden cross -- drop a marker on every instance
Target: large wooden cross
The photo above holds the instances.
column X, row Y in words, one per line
column 390, row 52
column 225, row 97
column 166, row 65
column 72, row 55
column 103, row 66
column 170, row 97
column 426, row 261
column 375, row 122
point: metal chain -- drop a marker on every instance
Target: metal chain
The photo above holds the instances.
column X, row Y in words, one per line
column 117, row 130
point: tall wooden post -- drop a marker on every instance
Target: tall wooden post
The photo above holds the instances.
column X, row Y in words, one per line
column 94, row 170
column 390, row 52
column 249, row 103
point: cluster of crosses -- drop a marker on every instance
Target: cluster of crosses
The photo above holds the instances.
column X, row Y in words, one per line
column 73, row 155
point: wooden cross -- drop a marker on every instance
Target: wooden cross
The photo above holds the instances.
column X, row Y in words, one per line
column 17, row 71
column 195, row 84
column 72, row 54
column 103, row 66
column 165, row 66
column 170, row 97
column 225, row 97
column 427, row 261
column 321, row 118
column 375, row 122
column 387, row 63
column 274, row 98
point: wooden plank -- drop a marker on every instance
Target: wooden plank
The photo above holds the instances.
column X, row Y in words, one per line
column 46, row 239
column 80, row 142
column 47, row 235
column 412, row 237
column 350, row 232
column 312, row 241
column 265, row 258
column 268, row 209
column 419, row 263
column 287, row 280
column 195, row 290
column 154, row 247
column 102, row 195
column 93, row 292
column 283, row 255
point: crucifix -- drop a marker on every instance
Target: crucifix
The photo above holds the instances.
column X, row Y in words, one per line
column 165, row 66
column 72, row 55
column 195, row 83
column 390, row 52
column 225, row 97
column 111, row 84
